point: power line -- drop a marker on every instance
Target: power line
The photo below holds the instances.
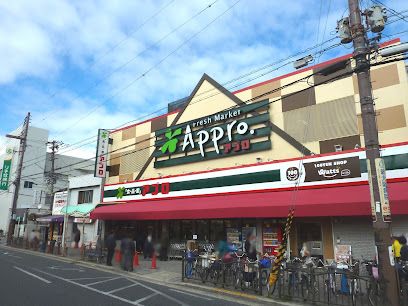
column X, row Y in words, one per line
column 115, row 46
column 135, row 57
column 216, row 93
column 249, row 100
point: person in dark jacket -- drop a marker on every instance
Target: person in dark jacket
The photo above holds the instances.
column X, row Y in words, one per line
column 77, row 238
column 128, row 252
column 148, row 247
column 250, row 247
column 110, row 245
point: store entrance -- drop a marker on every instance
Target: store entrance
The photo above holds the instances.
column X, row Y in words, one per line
column 309, row 236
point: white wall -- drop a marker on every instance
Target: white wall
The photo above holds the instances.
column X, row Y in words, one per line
column 34, row 163
column 82, row 183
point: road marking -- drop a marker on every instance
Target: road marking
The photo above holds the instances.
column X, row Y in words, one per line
column 146, row 298
column 33, row 275
column 103, row 281
column 65, row 269
column 86, row 287
column 194, row 295
column 8, row 254
column 89, row 278
column 122, row 288
column 158, row 292
column 249, row 296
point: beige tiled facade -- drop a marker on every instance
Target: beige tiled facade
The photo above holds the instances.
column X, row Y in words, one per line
column 319, row 118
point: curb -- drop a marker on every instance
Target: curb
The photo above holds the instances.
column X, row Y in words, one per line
column 204, row 290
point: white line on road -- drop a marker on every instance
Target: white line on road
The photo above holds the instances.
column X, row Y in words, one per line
column 194, row 295
column 122, row 288
column 33, row 275
column 145, row 298
column 158, row 292
column 89, row 278
column 103, row 281
column 86, row 287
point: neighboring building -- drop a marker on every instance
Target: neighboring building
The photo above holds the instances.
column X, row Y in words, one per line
column 83, row 190
column 170, row 186
column 35, row 196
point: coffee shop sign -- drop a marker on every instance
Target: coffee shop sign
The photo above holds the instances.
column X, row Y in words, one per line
column 215, row 134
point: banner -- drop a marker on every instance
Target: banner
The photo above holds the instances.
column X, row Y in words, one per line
column 60, row 201
column 101, row 153
column 382, row 186
column 5, row 174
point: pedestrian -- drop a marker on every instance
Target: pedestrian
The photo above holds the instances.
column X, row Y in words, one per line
column 251, row 253
column 128, row 252
column 404, row 248
column 164, row 246
column 148, row 247
column 77, row 238
column 110, row 245
column 396, row 248
column 250, row 247
column 402, row 259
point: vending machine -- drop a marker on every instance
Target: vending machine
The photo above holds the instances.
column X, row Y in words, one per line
column 271, row 238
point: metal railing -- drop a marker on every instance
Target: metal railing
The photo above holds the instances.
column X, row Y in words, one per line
column 326, row 285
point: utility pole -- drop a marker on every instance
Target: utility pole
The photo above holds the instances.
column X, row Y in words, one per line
column 22, row 148
column 377, row 181
column 52, row 177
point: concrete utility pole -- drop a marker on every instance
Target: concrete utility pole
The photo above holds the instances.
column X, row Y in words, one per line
column 22, row 148
column 377, row 180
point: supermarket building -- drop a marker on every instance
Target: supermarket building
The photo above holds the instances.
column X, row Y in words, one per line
column 227, row 163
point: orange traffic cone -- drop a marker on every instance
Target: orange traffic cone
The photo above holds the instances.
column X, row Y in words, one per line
column 154, row 265
column 118, row 256
column 136, row 260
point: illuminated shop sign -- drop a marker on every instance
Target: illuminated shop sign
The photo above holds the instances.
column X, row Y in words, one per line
column 235, row 131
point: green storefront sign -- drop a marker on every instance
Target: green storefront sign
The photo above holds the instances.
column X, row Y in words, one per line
column 5, row 175
column 226, row 133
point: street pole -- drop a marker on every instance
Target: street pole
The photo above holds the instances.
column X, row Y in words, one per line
column 382, row 232
column 51, row 181
column 22, row 148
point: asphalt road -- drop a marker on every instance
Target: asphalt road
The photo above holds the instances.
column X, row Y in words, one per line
column 28, row 279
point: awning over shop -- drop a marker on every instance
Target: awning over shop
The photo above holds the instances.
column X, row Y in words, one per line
column 317, row 202
column 55, row 218
column 80, row 210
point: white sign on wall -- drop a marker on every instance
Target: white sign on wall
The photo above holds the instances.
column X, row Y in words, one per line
column 60, row 201
column 101, row 153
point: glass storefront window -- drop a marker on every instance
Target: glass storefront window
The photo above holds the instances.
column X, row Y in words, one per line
column 186, row 229
column 217, row 231
column 202, row 230
column 175, row 230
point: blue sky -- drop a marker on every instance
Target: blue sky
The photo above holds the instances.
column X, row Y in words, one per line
column 77, row 65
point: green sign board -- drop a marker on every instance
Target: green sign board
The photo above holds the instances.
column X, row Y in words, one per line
column 240, row 130
column 5, row 174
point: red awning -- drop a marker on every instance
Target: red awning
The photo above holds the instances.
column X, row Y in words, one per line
column 333, row 201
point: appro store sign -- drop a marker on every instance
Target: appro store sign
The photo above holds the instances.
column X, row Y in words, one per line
column 218, row 135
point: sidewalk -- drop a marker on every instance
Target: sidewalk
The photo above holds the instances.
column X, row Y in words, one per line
column 166, row 271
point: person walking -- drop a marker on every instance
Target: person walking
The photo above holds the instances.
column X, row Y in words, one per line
column 128, row 250
column 148, row 247
column 396, row 248
column 110, row 245
column 77, row 238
